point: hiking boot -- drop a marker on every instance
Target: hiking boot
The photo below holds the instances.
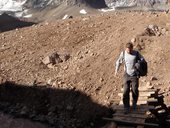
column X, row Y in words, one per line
column 126, row 110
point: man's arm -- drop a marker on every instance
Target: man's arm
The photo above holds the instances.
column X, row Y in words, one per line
column 119, row 62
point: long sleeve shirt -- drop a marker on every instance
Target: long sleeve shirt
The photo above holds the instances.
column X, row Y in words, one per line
column 129, row 60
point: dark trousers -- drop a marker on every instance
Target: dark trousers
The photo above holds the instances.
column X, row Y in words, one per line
column 133, row 83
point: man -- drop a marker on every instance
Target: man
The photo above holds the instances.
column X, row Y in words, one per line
column 130, row 58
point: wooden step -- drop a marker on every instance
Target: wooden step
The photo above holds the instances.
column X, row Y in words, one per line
column 130, row 115
column 131, row 122
column 140, row 127
column 144, row 90
column 131, row 111
column 142, row 87
column 148, row 94
column 158, row 107
column 140, row 102
column 142, row 98
column 162, row 111
column 124, row 127
column 140, row 108
column 135, row 120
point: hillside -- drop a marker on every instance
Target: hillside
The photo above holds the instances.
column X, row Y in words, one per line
column 88, row 47
column 42, row 10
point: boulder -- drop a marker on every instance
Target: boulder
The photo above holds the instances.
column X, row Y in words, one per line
column 154, row 30
column 53, row 58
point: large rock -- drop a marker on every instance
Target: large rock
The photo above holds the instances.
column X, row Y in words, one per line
column 64, row 57
column 53, row 58
column 154, row 30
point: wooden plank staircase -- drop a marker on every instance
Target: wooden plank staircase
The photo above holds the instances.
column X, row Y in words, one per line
column 147, row 99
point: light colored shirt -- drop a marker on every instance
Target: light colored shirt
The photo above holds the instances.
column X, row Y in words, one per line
column 129, row 60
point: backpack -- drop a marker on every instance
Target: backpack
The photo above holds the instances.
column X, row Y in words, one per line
column 141, row 66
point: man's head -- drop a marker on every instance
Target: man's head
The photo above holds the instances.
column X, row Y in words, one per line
column 129, row 47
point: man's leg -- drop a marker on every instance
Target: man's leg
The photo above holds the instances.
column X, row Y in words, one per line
column 135, row 91
column 126, row 91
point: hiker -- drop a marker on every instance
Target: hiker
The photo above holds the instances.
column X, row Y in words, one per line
column 130, row 58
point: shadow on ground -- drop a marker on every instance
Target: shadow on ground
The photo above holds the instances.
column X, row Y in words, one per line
column 8, row 23
column 55, row 107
